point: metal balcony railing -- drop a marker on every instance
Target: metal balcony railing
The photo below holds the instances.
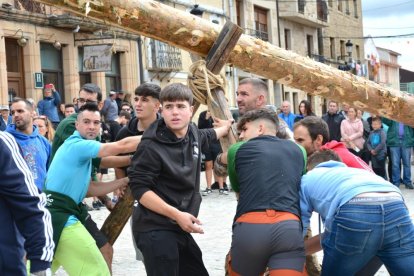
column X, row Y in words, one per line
column 30, row 6
column 163, row 57
column 318, row 58
column 258, row 34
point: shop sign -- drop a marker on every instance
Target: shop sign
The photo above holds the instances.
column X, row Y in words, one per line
column 97, row 58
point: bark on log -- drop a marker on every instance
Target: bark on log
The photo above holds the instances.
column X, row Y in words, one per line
column 185, row 31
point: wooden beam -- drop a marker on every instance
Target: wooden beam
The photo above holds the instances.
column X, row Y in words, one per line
column 193, row 34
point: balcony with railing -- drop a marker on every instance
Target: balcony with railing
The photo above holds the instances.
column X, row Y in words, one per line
column 31, row 6
column 309, row 13
column 163, row 57
column 258, row 34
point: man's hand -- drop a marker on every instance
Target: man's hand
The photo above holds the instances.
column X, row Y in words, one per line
column 46, row 272
column 222, row 123
column 189, row 223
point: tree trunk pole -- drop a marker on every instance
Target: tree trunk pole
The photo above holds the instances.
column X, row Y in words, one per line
column 193, row 34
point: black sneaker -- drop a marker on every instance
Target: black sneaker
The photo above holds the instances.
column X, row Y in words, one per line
column 95, row 205
column 100, row 204
column 206, row 192
column 409, row 186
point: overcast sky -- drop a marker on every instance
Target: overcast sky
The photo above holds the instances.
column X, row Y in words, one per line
column 390, row 18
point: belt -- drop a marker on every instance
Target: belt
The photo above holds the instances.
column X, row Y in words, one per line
column 266, row 217
column 373, row 199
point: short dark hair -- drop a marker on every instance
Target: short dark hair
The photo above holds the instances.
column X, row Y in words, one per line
column 28, row 104
column 125, row 114
column 176, row 92
column 316, row 126
column 258, row 84
column 322, row 156
column 148, row 89
column 259, row 114
column 69, row 105
column 125, row 104
column 92, row 88
column 376, row 119
column 93, row 107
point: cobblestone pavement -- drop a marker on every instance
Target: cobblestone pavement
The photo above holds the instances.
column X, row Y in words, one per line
column 216, row 214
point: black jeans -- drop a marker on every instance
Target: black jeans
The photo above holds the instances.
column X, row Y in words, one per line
column 169, row 253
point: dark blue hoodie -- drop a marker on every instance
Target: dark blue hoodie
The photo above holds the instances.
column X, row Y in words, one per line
column 22, row 213
column 36, row 152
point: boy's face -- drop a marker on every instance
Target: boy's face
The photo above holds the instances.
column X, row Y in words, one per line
column 145, row 106
column 177, row 116
column 249, row 130
column 376, row 125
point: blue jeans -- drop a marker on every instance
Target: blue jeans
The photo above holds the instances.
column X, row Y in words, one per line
column 398, row 154
column 361, row 231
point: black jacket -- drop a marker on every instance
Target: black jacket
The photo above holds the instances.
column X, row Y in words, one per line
column 334, row 124
column 170, row 167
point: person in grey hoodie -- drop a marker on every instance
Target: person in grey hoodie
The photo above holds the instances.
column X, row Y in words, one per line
column 36, row 148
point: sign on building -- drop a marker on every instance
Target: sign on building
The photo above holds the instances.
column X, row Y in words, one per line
column 38, row 78
column 97, row 58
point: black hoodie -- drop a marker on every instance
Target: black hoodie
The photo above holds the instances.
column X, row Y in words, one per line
column 170, row 167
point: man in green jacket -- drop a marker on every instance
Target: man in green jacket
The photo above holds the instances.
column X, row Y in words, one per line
column 400, row 139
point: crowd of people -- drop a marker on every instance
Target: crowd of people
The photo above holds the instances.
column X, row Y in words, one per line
column 283, row 168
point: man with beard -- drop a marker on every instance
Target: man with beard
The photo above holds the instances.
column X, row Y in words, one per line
column 36, row 149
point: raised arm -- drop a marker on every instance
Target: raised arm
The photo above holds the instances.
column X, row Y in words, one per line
column 125, row 145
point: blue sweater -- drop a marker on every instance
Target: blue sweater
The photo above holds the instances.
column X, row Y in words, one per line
column 22, row 213
column 36, row 152
column 332, row 184
column 49, row 107
column 289, row 119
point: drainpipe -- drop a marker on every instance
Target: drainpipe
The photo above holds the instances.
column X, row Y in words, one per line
column 140, row 64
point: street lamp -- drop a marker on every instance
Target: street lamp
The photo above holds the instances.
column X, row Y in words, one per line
column 348, row 46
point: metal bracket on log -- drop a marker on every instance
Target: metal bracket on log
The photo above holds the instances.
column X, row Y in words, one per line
column 216, row 59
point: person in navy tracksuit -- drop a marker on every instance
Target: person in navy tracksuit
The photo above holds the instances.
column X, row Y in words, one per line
column 26, row 224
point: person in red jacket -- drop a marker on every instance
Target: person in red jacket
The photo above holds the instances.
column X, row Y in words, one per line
column 313, row 134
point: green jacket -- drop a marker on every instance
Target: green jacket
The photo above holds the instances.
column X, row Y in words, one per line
column 61, row 207
column 392, row 134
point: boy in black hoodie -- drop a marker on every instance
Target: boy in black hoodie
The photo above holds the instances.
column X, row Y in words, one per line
column 165, row 179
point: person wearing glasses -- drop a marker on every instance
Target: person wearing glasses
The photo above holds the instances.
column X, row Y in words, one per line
column 36, row 148
column 127, row 107
column 45, row 127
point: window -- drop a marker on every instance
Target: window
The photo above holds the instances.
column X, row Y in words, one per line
column 238, row 12
column 358, row 52
column 113, row 77
column 342, row 49
column 309, row 44
column 260, row 22
column 15, row 72
column 340, row 5
column 347, row 7
column 288, row 42
column 51, row 61
column 356, row 9
column 330, row 3
column 332, row 47
column 301, row 6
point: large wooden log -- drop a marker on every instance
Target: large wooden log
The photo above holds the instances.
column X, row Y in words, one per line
column 183, row 30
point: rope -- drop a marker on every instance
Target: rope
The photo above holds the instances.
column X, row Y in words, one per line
column 201, row 81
